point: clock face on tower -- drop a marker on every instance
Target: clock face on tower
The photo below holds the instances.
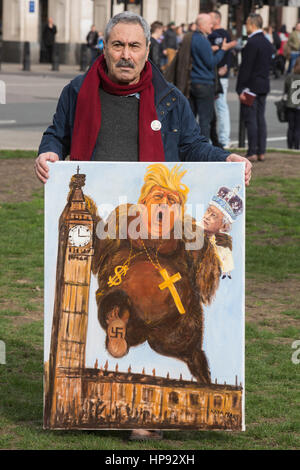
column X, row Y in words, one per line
column 79, row 235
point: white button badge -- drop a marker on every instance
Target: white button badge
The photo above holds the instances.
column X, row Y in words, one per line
column 156, row 125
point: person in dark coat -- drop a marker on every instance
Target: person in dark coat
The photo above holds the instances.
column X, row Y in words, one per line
column 49, row 34
column 253, row 76
column 92, row 40
column 170, row 44
column 155, row 54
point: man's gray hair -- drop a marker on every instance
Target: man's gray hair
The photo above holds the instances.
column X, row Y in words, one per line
column 128, row 17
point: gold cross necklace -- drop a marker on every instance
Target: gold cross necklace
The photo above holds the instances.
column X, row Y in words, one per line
column 168, row 281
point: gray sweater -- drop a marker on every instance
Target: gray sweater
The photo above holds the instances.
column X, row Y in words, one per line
column 118, row 136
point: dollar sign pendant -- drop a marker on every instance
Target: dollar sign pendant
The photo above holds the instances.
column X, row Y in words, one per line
column 117, row 279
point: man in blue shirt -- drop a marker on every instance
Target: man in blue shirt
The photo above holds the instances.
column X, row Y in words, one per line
column 204, row 62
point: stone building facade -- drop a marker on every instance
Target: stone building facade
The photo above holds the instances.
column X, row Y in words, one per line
column 100, row 398
column 23, row 20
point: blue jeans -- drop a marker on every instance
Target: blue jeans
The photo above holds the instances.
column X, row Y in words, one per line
column 202, row 97
column 223, row 116
column 293, row 58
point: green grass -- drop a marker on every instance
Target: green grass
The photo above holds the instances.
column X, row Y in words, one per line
column 4, row 154
column 273, row 228
column 272, row 380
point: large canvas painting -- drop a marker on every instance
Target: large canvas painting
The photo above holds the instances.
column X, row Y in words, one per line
column 144, row 296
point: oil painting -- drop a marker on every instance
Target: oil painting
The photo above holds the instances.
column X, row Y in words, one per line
column 144, row 296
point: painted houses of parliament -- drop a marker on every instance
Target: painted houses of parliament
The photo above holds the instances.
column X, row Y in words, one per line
column 24, row 20
column 77, row 397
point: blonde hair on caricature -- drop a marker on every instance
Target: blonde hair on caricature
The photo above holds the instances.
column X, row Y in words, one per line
column 160, row 175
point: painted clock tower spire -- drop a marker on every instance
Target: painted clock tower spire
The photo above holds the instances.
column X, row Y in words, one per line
column 70, row 318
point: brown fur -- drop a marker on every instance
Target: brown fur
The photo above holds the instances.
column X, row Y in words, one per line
column 153, row 314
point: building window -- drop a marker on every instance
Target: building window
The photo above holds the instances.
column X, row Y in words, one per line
column 148, row 394
column 235, row 401
column 194, row 399
column 218, row 401
column 173, row 398
column 121, row 392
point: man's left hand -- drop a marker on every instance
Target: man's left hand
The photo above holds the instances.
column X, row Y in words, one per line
column 233, row 157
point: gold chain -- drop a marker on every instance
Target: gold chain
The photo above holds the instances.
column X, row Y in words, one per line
column 157, row 266
column 121, row 270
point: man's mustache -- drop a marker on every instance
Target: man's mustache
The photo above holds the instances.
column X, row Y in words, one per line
column 125, row 63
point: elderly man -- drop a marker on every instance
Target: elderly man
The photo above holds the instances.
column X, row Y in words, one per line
column 91, row 121
column 124, row 110
column 204, row 62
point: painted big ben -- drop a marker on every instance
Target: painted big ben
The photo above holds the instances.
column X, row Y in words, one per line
column 70, row 318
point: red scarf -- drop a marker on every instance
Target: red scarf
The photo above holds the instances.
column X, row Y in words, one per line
column 88, row 113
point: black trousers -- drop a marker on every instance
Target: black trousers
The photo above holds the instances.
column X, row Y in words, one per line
column 293, row 133
column 255, row 122
column 202, row 98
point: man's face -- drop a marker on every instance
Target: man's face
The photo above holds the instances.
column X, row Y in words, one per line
column 213, row 220
column 214, row 19
column 163, row 209
column 159, row 31
column 126, row 53
column 206, row 25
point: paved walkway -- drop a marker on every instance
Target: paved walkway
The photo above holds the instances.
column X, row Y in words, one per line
column 40, row 69
column 31, row 99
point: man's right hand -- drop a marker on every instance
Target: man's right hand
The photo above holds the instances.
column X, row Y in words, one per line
column 228, row 45
column 41, row 167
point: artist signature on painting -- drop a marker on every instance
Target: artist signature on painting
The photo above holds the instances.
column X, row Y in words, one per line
column 2, row 353
column 296, row 354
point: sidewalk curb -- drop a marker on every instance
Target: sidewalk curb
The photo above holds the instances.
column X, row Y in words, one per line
column 41, row 70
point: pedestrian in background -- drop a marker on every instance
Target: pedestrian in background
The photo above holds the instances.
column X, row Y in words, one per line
column 192, row 27
column 282, row 51
column 274, row 39
column 253, row 77
column 170, row 42
column 294, row 45
column 202, row 77
column 155, row 54
column 49, row 33
column 216, row 38
column 292, row 90
column 179, row 35
column 92, row 39
column 100, row 43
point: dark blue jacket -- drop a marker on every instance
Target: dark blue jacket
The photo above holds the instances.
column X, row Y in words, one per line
column 180, row 132
column 204, row 60
column 255, row 66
